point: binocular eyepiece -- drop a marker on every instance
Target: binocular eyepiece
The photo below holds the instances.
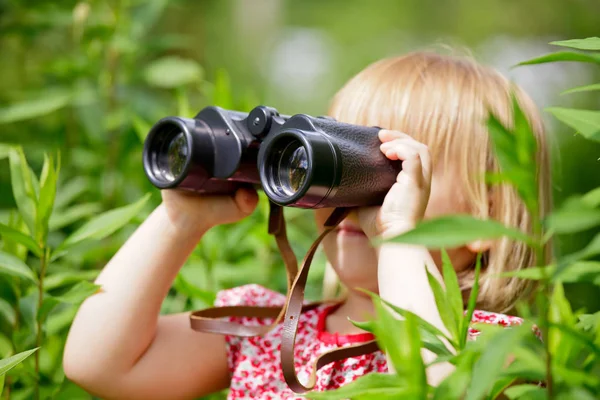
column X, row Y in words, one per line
column 300, row 161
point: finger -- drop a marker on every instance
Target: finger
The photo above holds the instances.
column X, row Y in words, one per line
column 406, row 149
column 386, row 135
column 246, row 200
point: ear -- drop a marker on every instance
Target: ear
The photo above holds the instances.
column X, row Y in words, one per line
column 479, row 246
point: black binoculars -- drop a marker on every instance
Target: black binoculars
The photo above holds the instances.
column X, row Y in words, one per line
column 300, row 161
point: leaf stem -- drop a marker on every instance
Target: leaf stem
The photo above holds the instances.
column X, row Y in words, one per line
column 541, row 239
column 38, row 340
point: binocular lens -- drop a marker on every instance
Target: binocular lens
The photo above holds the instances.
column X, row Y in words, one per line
column 176, row 156
column 292, row 168
column 171, row 155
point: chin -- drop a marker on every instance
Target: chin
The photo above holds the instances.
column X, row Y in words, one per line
column 356, row 264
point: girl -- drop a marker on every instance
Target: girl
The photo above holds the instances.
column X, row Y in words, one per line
column 120, row 348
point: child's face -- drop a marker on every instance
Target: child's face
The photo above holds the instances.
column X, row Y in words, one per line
column 355, row 260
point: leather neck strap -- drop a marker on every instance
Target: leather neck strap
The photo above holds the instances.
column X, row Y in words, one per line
column 212, row 319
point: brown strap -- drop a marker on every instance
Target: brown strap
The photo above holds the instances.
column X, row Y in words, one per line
column 292, row 315
column 210, row 320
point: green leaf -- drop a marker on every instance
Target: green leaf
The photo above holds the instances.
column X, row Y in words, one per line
column 13, row 266
column 500, row 386
column 576, row 393
column 373, row 383
column 430, row 341
column 575, row 336
column 8, row 363
column 104, row 224
column 75, row 296
column 172, row 71
column 411, row 345
column 563, row 56
column 27, row 309
column 60, row 320
column 516, row 150
column 145, row 17
column 78, row 293
column 10, row 233
column 527, row 365
column 457, row 230
column 387, row 330
column 6, row 346
column 42, row 104
column 60, row 279
column 592, row 198
column 182, row 285
column 222, row 94
column 23, row 187
column 7, row 311
column 45, row 204
column 591, row 43
column 591, row 250
column 60, row 219
column 402, row 344
column 432, row 329
column 586, row 88
column 443, row 305
column 71, row 190
column 454, row 386
column 434, row 344
column 183, row 103
column 575, row 215
column 532, row 392
column 4, row 150
column 573, row 377
column 585, row 122
column 581, row 271
column 589, row 322
column 561, row 347
column 368, row 326
column 468, row 317
column 453, row 292
column 141, row 127
column 489, row 366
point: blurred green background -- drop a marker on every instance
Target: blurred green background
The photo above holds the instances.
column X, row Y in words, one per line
column 88, row 78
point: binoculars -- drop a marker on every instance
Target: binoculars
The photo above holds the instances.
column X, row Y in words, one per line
column 300, row 161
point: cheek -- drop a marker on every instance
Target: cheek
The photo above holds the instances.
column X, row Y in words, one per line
column 445, row 198
column 321, row 216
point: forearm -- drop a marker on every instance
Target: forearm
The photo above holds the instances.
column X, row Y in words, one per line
column 116, row 326
column 403, row 282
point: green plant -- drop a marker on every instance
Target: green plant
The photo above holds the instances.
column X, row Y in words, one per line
column 92, row 96
column 41, row 291
column 567, row 359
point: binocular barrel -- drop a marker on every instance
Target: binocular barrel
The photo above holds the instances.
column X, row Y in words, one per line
column 299, row 161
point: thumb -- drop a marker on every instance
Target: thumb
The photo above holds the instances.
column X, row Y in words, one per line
column 246, row 200
column 367, row 219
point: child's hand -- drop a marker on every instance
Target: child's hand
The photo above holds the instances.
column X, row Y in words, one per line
column 406, row 201
column 195, row 213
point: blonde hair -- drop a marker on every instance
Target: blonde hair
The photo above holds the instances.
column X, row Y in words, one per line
column 443, row 101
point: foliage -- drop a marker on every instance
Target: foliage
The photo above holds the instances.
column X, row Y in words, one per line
column 90, row 108
column 513, row 362
column 89, row 78
column 28, row 261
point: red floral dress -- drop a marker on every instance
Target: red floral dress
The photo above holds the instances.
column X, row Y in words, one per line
column 254, row 362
